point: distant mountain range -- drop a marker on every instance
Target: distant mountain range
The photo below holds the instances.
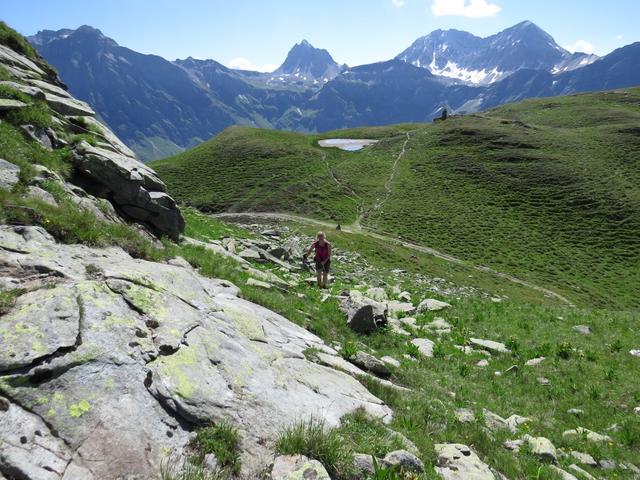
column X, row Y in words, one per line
column 481, row 61
column 160, row 107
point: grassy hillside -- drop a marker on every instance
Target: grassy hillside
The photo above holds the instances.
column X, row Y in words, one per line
column 266, row 170
column 546, row 189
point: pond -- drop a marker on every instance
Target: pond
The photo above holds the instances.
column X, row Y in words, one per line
column 349, row 144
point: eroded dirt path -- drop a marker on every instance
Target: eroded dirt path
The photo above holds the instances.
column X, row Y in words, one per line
column 388, row 185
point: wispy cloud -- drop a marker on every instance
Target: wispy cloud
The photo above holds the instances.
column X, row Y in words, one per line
column 580, row 46
column 464, row 8
column 397, row 3
column 241, row 63
column 619, row 37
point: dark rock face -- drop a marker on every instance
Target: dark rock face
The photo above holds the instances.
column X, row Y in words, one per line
column 304, row 60
column 363, row 314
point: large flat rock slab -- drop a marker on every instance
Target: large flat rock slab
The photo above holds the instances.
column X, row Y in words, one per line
column 40, row 324
column 137, row 354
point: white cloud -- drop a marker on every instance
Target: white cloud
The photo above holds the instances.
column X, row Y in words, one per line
column 241, row 63
column 397, row 3
column 464, row 8
column 619, row 37
column 580, row 46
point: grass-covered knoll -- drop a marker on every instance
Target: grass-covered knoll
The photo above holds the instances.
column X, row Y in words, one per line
column 264, row 170
column 545, row 189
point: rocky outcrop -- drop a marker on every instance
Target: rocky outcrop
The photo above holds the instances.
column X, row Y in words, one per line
column 9, row 174
column 108, row 170
column 459, row 462
column 364, row 315
column 297, row 467
column 131, row 185
column 102, row 341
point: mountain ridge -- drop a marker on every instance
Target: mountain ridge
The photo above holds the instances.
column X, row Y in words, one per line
column 465, row 57
column 160, row 107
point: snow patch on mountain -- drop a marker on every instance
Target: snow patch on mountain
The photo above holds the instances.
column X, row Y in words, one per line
column 453, row 70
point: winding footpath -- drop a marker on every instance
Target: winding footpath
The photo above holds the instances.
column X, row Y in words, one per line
column 357, row 227
column 387, row 189
column 398, row 241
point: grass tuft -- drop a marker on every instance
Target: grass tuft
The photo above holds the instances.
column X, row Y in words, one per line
column 36, row 114
column 314, row 440
column 12, row 39
column 221, row 439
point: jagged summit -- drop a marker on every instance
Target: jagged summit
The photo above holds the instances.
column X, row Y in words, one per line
column 307, row 62
column 470, row 59
column 84, row 33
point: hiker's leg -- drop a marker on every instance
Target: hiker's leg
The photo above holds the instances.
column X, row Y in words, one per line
column 325, row 273
column 319, row 277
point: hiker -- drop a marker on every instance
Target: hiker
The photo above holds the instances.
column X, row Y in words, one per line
column 338, row 227
column 322, row 258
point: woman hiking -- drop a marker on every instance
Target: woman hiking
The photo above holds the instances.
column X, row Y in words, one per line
column 322, row 258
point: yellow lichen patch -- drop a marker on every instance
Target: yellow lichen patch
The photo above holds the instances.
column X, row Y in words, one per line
column 79, row 409
column 86, row 353
column 21, row 328
column 38, row 348
column 139, row 279
column 176, row 367
column 59, row 397
column 240, row 377
column 247, row 323
column 115, row 320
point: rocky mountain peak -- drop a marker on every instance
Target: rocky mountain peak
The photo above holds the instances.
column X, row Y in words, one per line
column 304, row 60
column 469, row 59
column 82, row 34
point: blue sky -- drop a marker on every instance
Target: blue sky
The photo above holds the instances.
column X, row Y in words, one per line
column 259, row 33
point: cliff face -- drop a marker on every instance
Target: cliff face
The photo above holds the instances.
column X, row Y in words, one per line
column 102, row 166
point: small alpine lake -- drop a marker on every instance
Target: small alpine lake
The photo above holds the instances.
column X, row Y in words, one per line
column 348, row 144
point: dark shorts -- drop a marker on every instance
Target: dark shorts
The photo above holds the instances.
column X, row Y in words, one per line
column 323, row 268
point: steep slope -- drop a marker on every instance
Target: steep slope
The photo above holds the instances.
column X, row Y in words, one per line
column 545, row 189
column 251, row 94
column 465, row 57
column 61, row 132
column 380, row 94
column 152, row 104
column 619, row 69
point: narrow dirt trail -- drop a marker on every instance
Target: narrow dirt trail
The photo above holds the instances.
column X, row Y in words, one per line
column 388, row 238
column 349, row 192
column 388, row 185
